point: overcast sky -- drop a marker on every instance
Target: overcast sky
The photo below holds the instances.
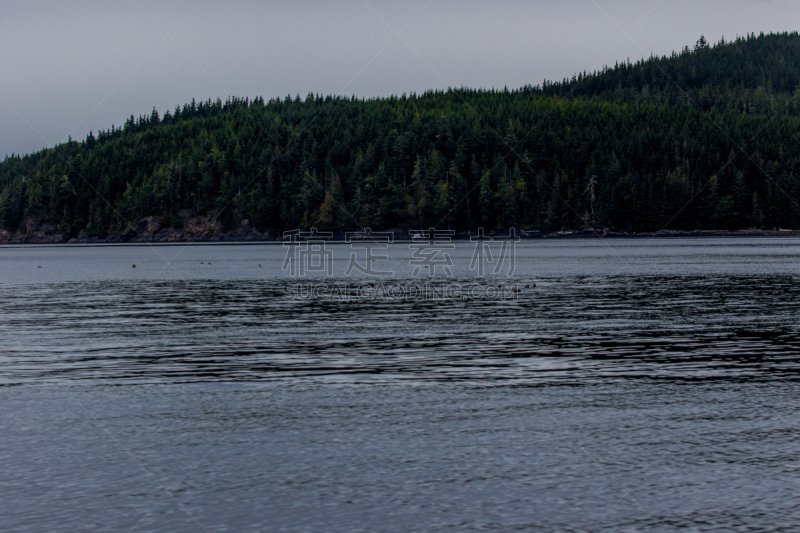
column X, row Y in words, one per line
column 73, row 66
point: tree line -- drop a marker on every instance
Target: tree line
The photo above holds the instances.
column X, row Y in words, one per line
column 708, row 137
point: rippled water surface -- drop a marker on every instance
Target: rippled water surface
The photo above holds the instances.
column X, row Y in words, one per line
column 622, row 385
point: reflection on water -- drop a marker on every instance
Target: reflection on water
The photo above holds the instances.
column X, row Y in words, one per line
column 621, row 389
column 573, row 328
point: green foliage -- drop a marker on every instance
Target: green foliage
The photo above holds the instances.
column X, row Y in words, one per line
column 704, row 138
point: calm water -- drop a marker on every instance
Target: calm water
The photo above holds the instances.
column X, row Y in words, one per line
column 627, row 385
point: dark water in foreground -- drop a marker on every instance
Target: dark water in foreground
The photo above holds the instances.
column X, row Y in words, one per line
column 638, row 386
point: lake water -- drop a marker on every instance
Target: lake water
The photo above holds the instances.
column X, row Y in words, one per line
column 610, row 385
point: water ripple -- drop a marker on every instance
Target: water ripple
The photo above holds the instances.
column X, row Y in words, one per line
column 565, row 328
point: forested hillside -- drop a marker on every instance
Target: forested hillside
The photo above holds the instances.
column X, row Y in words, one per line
column 706, row 138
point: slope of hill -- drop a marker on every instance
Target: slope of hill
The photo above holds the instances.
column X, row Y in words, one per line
column 706, row 138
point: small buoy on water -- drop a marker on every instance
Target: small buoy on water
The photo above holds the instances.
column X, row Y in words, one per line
column 134, row 266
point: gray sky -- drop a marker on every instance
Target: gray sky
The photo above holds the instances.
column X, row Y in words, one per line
column 73, row 66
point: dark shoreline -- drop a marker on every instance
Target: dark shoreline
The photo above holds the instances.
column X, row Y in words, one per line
column 250, row 236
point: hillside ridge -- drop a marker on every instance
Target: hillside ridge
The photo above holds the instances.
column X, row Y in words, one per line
column 706, row 138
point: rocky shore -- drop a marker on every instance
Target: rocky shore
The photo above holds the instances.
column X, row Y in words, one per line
column 149, row 229
column 203, row 229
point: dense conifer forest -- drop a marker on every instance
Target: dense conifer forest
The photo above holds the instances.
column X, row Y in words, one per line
column 708, row 137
